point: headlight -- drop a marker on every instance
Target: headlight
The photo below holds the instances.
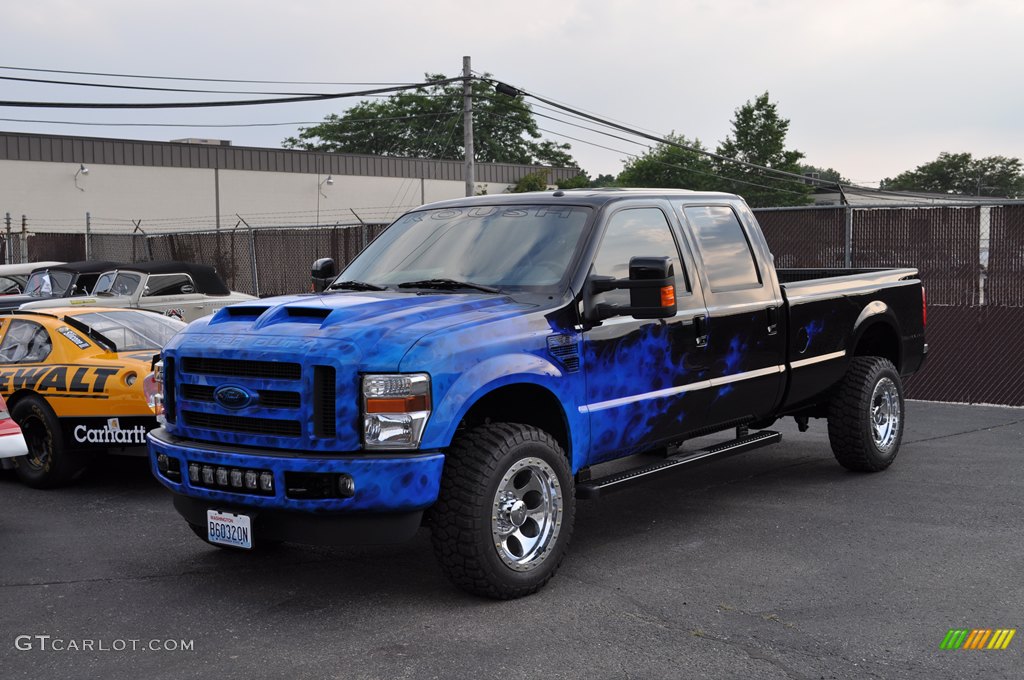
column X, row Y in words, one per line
column 153, row 388
column 395, row 410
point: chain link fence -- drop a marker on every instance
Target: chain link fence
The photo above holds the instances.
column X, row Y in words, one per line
column 971, row 261
column 261, row 261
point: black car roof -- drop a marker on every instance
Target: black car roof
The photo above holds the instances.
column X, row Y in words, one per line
column 205, row 277
column 81, row 267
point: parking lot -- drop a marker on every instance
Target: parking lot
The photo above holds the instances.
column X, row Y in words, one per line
column 774, row 564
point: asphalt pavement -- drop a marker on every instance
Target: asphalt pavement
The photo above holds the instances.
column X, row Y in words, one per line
column 774, row 564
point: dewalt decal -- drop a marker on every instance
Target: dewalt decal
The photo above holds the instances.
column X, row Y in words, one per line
column 58, row 381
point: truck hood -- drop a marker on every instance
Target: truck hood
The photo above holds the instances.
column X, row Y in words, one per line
column 301, row 358
column 85, row 301
column 383, row 326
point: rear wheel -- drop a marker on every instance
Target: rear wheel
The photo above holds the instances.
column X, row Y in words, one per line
column 48, row 464
column 504, row 516
column 865, row 419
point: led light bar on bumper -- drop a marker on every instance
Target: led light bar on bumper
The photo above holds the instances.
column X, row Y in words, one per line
column 395, row 410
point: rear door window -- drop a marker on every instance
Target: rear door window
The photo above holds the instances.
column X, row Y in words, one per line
column 724, row 247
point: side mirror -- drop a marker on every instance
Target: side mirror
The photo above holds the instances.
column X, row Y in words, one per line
column 652, row 291
column 322, row 273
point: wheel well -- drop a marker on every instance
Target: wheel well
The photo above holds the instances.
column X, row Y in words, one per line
column 18, row 396
column 524, row 404
column 879, row 340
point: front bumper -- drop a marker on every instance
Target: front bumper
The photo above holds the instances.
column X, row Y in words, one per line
column 384, row 483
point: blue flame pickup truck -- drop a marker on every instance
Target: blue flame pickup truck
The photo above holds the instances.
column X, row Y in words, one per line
column 477, row 367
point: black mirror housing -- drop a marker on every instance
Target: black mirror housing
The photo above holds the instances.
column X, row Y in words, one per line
column 322, row 273
column 652, row 291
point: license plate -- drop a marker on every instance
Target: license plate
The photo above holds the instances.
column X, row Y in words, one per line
column 226, row 528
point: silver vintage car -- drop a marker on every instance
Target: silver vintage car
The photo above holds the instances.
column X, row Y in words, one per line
column 180, row 289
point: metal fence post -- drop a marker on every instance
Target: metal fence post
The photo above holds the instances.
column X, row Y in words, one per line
column 7, row 246
column 252, row 254
column 848, row 248
column 24, row 239
column 88, row 236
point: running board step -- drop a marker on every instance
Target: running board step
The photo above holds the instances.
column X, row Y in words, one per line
column 597, row 487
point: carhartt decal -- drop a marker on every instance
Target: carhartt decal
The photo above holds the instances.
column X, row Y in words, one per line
column 110, row 435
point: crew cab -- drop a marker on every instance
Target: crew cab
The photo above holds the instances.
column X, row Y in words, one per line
column 482, row 362
column 180, row 289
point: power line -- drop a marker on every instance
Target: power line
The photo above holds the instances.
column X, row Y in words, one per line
column 191, row 79
column 241, row 102
column 227, row 125
column 145, row 88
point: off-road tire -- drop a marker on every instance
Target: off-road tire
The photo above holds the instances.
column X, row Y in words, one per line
column 48, row 463
column 483, row 466
column 860, row 415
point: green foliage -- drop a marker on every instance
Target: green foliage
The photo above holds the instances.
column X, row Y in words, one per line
column 427, row 123
column 824, row 174
column 535, row 181
column 605, row 180
column 759, row 137
column 580, row 181
column 961, row 173
column 667, row 166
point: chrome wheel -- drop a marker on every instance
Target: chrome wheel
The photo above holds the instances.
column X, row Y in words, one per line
column 885, row 415
column 526, row 515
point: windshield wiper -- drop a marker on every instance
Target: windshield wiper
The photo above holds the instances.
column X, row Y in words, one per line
column 354, row 285
column 447, row 284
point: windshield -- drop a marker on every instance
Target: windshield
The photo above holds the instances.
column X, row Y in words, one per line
column 48, row 283
column 131, row 329
column 117, row 283
column 499, row 246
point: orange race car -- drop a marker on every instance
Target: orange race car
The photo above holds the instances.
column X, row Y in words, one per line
column 75, row 381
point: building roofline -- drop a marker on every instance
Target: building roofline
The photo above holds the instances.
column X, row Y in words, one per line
column 26, row 146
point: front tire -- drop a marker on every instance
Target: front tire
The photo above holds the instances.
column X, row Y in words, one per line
column 48, row 463
column 865, row 418
column 504, row 516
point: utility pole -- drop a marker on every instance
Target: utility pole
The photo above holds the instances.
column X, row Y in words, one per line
column 467, row 126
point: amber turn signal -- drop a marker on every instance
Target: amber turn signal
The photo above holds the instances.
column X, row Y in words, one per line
column 668, row 296
column 416, row 402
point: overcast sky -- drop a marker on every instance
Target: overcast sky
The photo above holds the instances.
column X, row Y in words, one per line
column 871, row 88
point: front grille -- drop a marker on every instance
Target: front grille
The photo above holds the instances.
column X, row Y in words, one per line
column 169, row 401
column 267, row 398
column 264, row 426
column 242, row 368
column 324, row 399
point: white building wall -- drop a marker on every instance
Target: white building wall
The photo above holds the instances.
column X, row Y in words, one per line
column 171, row 199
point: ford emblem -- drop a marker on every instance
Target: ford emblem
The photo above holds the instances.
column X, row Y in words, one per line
column 233, row 397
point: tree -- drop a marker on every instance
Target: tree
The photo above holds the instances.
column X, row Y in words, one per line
column 759, row 137
column 961, row 173
column 824, row 174
column 427, row 123
column 667, row 166
column 535, row 181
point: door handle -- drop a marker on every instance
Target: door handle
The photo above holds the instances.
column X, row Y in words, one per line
column 773, row 320
column 700, row 328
